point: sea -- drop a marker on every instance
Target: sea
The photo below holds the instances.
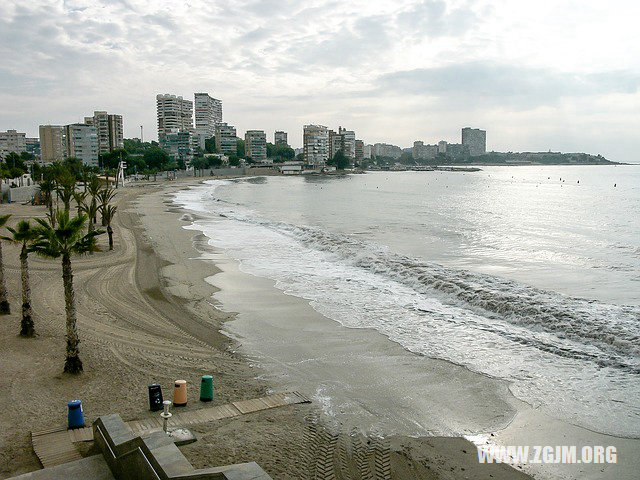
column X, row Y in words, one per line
column 530, row 274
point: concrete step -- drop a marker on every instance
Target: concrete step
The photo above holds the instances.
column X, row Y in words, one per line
column 93, row 467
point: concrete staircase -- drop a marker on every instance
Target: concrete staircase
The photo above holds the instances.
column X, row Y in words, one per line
column 127, row 456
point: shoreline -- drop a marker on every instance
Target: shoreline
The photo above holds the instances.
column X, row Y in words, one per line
column 527, row 425
column 146, row 315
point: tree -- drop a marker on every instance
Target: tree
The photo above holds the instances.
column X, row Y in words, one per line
column 47, row 188
column 5, row 309
column 339, row 160
column 240, row 151
column 107, row 214
column 112, row 159
column 66, row 189
column 24, row 234
column 64, row 241
column 210, row 145
column 104, row 198
column 91, row 209
column 80, row 198
column 155, row 157
column 93, row 188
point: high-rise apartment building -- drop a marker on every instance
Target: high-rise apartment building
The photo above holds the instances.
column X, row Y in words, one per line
column 280, row 138
column 348, row 143
column 442, row 146
column 226, row 140
column 110, row 130
column 420, row 151
column 476, row 140
column 336, row 144
column 179, row 145
column 208, row 114
column 12, row 141
column 52, row 143
column 81, row 142
column 315, row 142
column 386, row 150
column 174, row 113
column 359, row 151
column 255, row 145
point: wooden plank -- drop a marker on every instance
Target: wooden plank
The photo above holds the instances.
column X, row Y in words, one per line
column 55, row 448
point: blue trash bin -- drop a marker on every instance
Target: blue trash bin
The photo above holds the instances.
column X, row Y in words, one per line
column 75, row 415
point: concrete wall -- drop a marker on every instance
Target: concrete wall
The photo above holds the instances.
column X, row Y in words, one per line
column 22, row 194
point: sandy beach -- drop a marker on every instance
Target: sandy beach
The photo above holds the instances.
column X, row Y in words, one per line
column 146, row 315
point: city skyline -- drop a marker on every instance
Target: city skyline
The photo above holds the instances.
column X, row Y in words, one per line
column 546, row 76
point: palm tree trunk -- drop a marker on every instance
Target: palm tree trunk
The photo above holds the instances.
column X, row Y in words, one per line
column 104, row 220
column 5, row 309
column 51, row 215
column 72, row 363
column 110, row 233
column 26, row 325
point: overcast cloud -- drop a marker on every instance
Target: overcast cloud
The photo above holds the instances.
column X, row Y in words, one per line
column 561, row 75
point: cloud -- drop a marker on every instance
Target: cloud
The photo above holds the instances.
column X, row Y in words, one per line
column 502, row 85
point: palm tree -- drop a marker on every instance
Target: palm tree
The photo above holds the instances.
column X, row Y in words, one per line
column 47, row 188
column 80, row 197
column 66, row 190
column 91, row 209
column 61, row 242
column 93, row 188
column 5, row 309
column 105, row 196
column 24, row 234
column 108, row 213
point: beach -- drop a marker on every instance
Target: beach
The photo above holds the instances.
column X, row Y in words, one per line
column 145, row 315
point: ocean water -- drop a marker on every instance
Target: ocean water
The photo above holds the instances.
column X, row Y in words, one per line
column 528, row 274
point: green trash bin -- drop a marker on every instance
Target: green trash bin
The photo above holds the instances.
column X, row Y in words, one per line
column 206, row 388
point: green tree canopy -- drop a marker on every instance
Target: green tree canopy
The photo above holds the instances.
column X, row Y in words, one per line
column 155, row 158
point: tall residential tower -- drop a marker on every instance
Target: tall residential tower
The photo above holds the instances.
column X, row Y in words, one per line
column 208, row 113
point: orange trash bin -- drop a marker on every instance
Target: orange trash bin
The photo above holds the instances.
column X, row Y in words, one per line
column 180, row 393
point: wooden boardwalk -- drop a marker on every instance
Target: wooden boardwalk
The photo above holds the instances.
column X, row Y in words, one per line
column 55, row 446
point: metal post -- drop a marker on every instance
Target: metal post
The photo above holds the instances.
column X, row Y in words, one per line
column 166, row 414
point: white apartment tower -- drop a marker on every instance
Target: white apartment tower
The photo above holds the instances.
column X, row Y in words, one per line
column 81, row 141
column 315, row 145
column 12, row 141
column 174, row 114
column 348, row 142
column 208, row 114
column 110, row 130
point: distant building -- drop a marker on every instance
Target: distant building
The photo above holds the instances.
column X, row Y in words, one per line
column 52, row 143
column 208, row 114
column 359, row 145
column 421, row 151
column 226, row 140
column 255, row 145
column 315, row 142
column 110, row 130
column 348, row 143
column 174, row 113
column 33, row 146
column 367, row 151
column 81, row 142
column 476, row 140
column 442, row 147
column 386, row 150
column 280, row 138
column 12, row 141
column 336, row 143
column 179, row 145
column 457, row 151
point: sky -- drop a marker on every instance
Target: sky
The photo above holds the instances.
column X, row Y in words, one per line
column 561, row 75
